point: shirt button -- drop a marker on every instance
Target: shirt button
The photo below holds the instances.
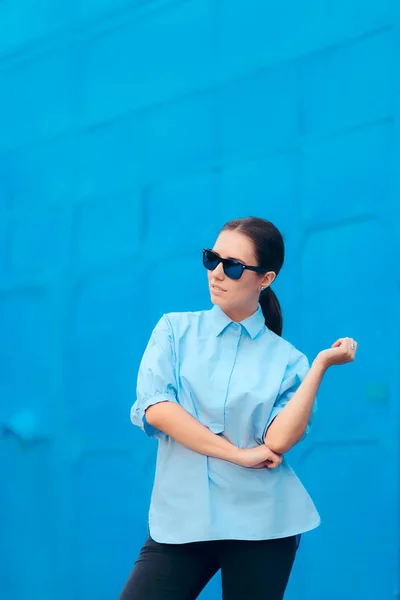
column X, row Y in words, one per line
column 236, row 326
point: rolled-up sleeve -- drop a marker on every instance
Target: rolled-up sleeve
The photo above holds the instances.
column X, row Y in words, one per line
column 156, row 380
column 297, row 368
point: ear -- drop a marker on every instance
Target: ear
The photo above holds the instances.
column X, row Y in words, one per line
column 268, row 279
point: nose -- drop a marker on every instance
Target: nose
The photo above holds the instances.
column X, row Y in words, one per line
column 219, row 271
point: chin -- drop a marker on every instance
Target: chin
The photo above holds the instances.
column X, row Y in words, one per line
column 217, row 300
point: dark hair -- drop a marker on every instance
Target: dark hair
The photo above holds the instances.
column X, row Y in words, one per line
column 269, row 249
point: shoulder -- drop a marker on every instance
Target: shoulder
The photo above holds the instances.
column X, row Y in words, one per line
column 292, row 354
column 177, row 321
column 175, row 317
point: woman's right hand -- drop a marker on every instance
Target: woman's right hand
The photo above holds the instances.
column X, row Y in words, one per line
column 258, row 457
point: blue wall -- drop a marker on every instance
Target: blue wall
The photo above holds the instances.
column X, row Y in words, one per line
column 129, row 132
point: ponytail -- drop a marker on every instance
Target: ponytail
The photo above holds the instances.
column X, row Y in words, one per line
column 269, row 250
column 271, row 310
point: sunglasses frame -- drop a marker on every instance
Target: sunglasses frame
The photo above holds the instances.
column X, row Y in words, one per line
column 232, row 262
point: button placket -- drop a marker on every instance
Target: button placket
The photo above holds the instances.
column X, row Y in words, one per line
column 229, row 353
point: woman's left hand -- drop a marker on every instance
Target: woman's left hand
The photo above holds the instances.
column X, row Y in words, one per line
column 342, row 351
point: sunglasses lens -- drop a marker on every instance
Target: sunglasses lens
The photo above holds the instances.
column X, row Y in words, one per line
column 210, row 260
column 233, row 270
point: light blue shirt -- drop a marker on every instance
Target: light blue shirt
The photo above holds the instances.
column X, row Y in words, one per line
column 234, row 378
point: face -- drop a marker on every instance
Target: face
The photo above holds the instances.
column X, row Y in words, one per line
column 237, row 298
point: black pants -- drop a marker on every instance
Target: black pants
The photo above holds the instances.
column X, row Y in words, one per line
column 249, row 569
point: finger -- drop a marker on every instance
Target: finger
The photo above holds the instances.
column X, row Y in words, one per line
column 338, row 343
column 274, row 455
column 349, row 350
column 353, row 346
column 272, row 463
column 343, row 342
column 272, row 460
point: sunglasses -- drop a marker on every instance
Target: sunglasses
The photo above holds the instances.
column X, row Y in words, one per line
column 232, row 268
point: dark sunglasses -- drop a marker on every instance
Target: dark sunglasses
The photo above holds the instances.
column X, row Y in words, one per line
column 232, row 268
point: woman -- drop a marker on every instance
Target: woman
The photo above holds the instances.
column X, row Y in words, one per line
column 226, row 397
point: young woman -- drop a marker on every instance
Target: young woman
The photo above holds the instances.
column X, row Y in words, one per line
column 226, row 397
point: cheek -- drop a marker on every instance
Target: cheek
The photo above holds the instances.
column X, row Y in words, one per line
column 246, row 287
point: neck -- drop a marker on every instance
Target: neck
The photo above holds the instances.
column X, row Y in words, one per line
column 238, row 313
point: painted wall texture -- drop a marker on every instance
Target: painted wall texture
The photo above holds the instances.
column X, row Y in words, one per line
column 129, row 133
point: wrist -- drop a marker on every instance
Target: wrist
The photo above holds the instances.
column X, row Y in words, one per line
column 320, row 365
column 237, row 456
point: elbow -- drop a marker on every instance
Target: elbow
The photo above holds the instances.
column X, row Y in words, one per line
column 151, row 414
column 278, row 446
column 154, row 412
column 281, row 444
column 275, row 440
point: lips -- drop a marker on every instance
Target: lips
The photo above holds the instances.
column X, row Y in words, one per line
column 216, row 288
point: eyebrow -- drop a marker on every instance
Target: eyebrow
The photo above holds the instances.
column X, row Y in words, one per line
column 232, row 258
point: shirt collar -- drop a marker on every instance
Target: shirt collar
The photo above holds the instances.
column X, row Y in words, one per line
column 253, row 324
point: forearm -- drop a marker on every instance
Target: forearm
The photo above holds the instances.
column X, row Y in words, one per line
column 290, row 424
column 176, row 422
